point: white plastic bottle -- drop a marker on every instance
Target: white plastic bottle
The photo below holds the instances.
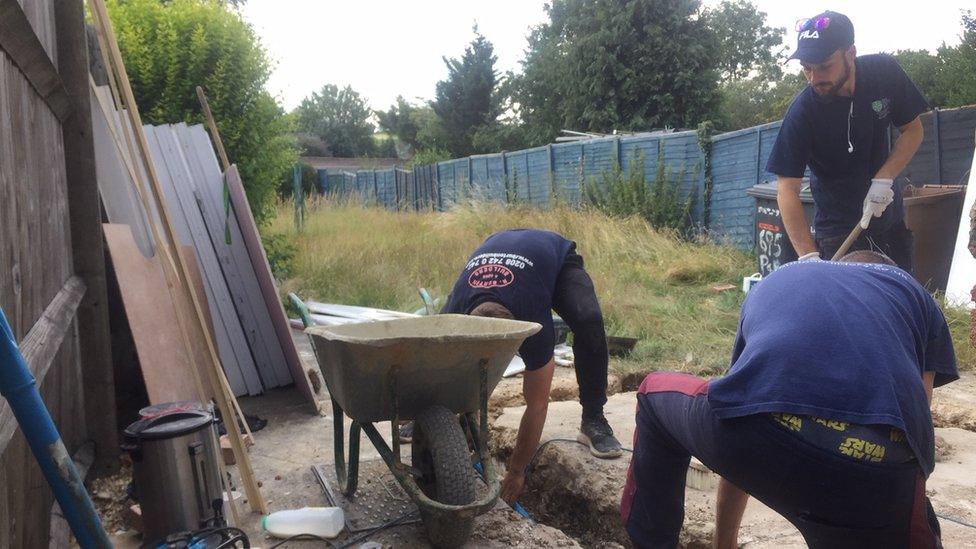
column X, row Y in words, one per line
column 322, row 521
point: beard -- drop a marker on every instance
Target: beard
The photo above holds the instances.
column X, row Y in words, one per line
column 830, row 89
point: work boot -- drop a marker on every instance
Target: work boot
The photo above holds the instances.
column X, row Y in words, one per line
column 596, row 433
column 406, row 432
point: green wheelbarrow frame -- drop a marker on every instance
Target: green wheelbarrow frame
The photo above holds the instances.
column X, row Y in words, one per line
column 347, row 473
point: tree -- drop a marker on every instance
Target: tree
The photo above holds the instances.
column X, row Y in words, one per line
column 754, row 101
column 400, row 122
column 747, row 45
column 466, row 99
column 925, row 70
column 169, row 48
column 948, row 78
column 340, row 118
column 386, row 148
column 600, row 65
column 958, row 75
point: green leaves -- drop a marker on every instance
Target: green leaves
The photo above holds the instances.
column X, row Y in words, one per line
column 171, row 47
column 467, row 99
column 659, row 203
column 947, row 78
column 747, row 45
column 609, row 64
column 340, row 118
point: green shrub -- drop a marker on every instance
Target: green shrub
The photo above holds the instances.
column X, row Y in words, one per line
column 170, row 48
column 659, row 203
column 425, row 157
column 281, row 252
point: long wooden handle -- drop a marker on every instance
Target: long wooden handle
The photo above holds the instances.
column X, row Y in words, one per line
column 855, row 232
column 212, row 125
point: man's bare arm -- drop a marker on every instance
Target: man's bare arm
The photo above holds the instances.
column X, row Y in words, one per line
column 535, row 388
column 903, row 150
column 730, row 504
column 928, row 379
column 795, row 220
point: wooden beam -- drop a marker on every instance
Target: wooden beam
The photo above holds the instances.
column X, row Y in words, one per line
column 18, row 39
column 88, row 251
column 212, row 124
column 181, row 283
column 41, row 345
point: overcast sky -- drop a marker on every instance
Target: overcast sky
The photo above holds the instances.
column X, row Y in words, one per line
column 388, row 48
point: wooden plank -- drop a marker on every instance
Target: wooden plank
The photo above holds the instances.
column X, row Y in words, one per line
column 234, row 258
column 235, row 355
column 18, row 39
column 16, row 160
column 163, row 357
column 88, row 252
column 116, row 177
column 230, row 256
column 259, row 261
column 5, row 516
column 9, row 229
column 195, row 321
column 41, row 345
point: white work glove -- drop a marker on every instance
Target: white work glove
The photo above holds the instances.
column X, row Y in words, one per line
column 879, row 196
column 809, row 256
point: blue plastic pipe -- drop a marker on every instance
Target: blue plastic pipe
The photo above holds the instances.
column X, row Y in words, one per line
column 18, row 386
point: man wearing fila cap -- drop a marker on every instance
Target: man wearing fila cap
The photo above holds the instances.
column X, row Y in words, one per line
column 839, row 127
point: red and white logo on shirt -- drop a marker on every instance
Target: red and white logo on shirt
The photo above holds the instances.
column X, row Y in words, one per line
column 491, row 276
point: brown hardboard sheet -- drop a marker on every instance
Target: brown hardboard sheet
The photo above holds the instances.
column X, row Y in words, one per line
column 152, row 314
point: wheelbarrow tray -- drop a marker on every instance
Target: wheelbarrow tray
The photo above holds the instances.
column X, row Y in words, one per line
column 416, row 361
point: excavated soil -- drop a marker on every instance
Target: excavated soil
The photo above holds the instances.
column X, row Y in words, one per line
column 508, row 393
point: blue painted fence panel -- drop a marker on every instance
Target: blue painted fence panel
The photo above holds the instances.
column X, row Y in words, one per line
column 535, row 176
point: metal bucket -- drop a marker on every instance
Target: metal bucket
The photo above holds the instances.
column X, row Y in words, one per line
column 175, row 471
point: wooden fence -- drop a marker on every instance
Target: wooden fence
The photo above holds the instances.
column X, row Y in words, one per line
column 52, row 275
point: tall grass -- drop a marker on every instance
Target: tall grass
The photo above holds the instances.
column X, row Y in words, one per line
column 651, row 284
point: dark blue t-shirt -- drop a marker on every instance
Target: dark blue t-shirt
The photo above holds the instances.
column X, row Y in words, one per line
column 815, row 134
column 518, row 269
column 842, row 341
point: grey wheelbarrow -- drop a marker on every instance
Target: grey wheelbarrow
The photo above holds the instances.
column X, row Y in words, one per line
column 437, row 371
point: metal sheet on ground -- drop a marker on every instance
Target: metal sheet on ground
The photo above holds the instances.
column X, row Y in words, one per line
column 355, row 311
column 378, row 499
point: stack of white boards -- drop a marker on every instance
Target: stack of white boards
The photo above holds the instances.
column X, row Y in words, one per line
column 208, row 216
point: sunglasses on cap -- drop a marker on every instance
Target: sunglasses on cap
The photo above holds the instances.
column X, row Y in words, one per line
column 820, row 23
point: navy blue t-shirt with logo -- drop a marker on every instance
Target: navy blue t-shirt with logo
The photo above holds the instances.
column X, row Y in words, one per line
column 518, row 269
column 841, row 341
column 815, row 133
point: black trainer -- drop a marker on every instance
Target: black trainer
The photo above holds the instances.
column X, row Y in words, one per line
column 406, row 432
column 596, row 433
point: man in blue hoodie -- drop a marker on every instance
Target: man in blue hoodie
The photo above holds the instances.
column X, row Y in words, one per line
column 823, row 415
column 525, row 274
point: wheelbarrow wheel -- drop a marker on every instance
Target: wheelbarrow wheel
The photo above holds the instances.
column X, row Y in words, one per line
column 439, row 450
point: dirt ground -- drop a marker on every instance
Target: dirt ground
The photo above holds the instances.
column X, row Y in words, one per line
column 573, row 497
